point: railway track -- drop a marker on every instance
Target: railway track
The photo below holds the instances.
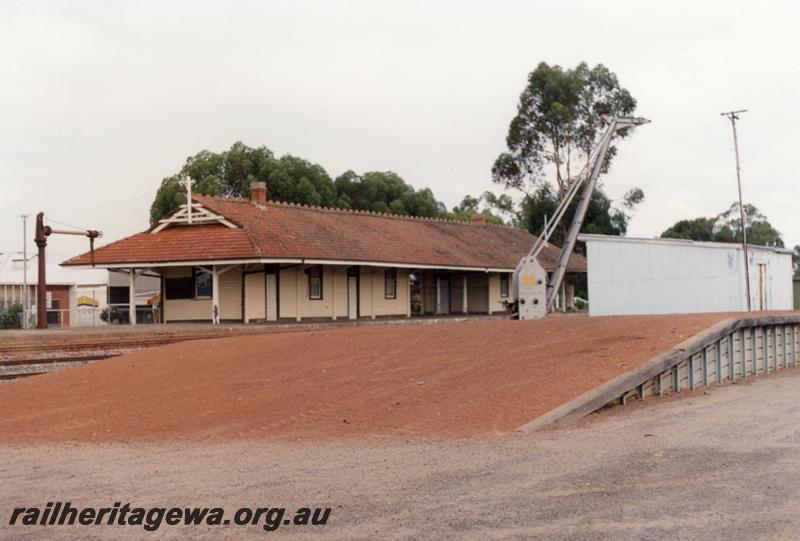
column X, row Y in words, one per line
column 87, row 348
column 102, row 341
column 6, row 377
column 139, row 342
column 97, row 344
column 52, row 360
column 35, row 365
column 14, row 358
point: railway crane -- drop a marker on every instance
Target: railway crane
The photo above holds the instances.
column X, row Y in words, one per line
column 534, row 292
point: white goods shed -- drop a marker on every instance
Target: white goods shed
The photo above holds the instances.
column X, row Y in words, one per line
column 670, row 276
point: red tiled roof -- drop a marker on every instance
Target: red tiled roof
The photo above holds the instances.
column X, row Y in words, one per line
column 174, row 244
column 287, row 231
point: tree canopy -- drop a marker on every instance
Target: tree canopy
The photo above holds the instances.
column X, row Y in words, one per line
column 292, row 179
column 558, row 122
column 602, row 216
column 385, row 192
column 497, row 209
column 726, row 227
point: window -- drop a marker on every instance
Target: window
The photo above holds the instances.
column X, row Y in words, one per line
column 178, row 288
column 390, row 283
column 203, row 284
column 315, row 282
column 118, row 295
column 504, row 284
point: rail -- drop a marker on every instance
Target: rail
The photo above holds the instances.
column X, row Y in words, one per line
column 22, row 368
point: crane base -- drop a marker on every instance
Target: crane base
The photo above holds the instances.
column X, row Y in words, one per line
column 530, row 289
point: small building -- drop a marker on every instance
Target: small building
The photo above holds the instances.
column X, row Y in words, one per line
column 247, row 260
column 668, row 276
column 61, row 292
column 75, row 298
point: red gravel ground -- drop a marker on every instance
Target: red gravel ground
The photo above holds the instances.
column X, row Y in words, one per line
column 440, row 380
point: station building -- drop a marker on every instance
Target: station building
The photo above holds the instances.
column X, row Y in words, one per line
column 223, row 259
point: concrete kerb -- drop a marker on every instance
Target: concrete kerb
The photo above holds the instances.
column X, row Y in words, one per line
column 594, row 399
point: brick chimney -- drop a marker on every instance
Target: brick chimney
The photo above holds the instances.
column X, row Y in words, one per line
column 258, row 193
column 478, row 218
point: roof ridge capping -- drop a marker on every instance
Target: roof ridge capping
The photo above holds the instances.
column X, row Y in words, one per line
column 235, row 199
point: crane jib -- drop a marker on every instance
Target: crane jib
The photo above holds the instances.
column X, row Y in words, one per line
column 588, row 180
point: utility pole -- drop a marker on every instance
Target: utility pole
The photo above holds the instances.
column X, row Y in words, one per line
column 26, row 306
column 734, row 116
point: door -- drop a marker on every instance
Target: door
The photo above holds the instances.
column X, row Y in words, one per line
column 352, row 297
column 254, row 307
column 762, row 286
column 272, row 297
column 54, row 314
column 444, row 294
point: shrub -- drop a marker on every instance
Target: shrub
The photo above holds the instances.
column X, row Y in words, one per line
column 11, row 317
column 110, row 314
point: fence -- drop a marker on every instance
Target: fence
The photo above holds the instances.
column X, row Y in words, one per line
column 65, row 317
column 747, row 348
column 733, row 349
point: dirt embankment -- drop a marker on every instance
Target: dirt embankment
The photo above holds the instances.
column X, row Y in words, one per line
column 422, row 380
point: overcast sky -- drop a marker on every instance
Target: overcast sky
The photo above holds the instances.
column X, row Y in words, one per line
column 101, row 100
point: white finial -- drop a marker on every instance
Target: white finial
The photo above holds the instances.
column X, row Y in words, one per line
column 187, row 183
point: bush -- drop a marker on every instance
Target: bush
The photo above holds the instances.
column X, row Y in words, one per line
column 11, row 317
column 111, row 314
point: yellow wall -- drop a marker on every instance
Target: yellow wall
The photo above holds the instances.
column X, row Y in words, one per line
column 477, row 301
column 373, row 285
column 295, row 279
column 286, row 292
column 340, row 290
column 255, row 296
column 185, row 309
column 334, row 282
column 317, row 308
column 494, row 292
column 230, row 298
column 230, row 295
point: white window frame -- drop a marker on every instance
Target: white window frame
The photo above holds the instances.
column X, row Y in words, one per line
column 198, row 272
column 311, row 278
column 393, row 281
column 504, row 277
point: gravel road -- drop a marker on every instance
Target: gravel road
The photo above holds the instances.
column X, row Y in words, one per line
column 723, row 465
